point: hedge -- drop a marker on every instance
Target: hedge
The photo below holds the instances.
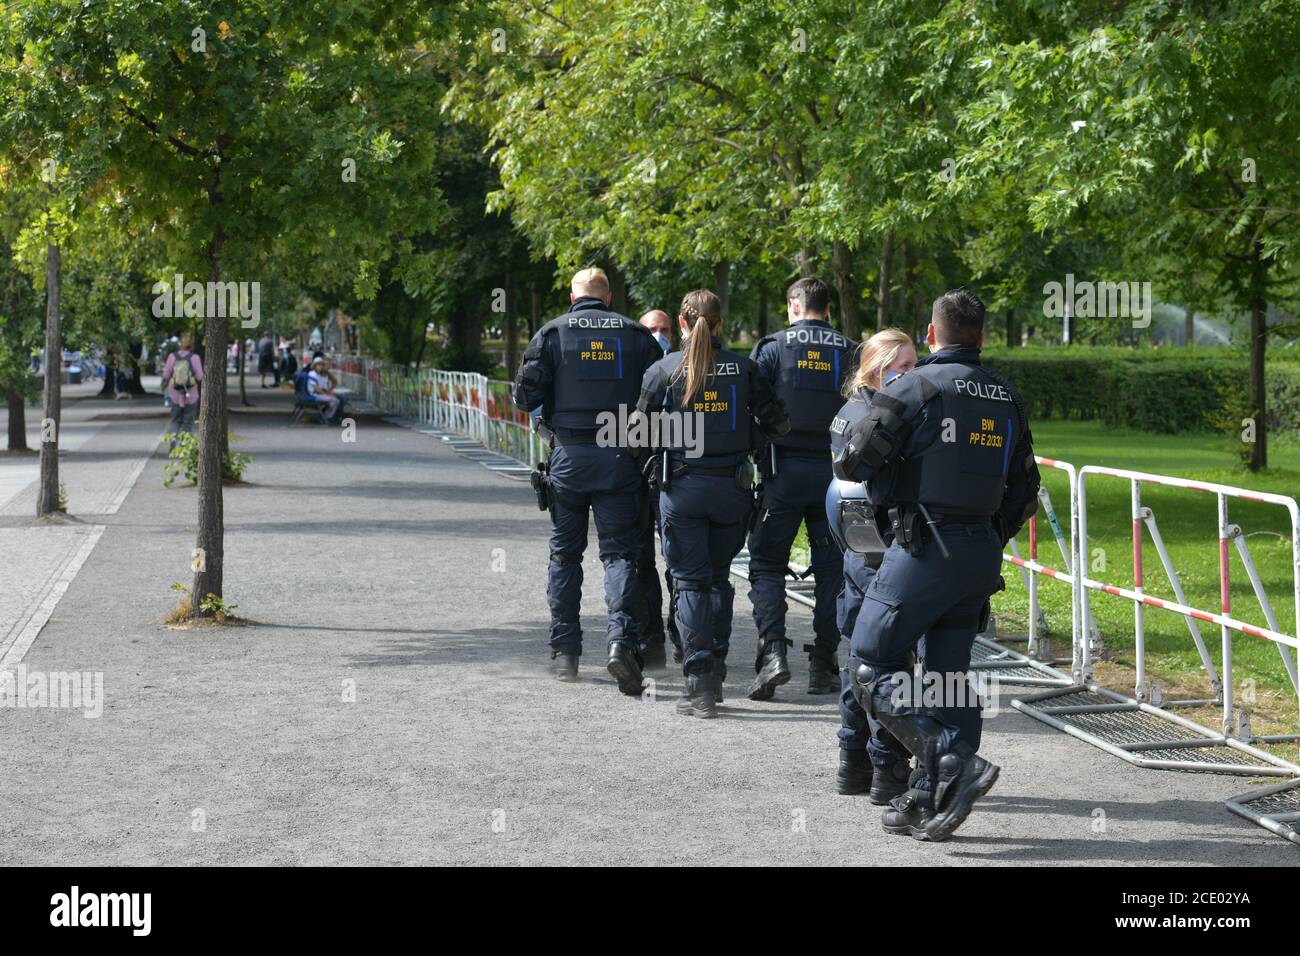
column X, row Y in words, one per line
column 1150, row 390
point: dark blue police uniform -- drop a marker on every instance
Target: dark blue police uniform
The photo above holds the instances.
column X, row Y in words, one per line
column 705, row 501
column 586, row 362
column 650, row 617
column 946, row 449
column 806, row 363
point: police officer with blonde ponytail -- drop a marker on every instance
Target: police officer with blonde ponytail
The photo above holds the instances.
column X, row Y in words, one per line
column 707, row 408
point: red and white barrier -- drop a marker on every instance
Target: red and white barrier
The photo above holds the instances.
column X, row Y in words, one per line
column 1140, row 516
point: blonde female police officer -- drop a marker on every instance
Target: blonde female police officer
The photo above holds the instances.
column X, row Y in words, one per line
column 706, row 496
column 946, row 449
column 861, row 531
column 589, row 361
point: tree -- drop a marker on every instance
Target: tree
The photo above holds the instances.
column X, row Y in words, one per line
column 1172, row 127
column 238, row 129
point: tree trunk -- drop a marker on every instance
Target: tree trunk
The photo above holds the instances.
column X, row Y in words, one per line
column 17, row 419
column 47, row 499
column 617, row 290
column 722, row 286
column 1013, row 329
column 882, row 293
column 511, row 328
column 847, row 289
column 467, row 327
column 1189, row 326
column 806, row 260
column 535, row 316
column 1258, row 341
column 762, row 311
column 209, row 559
column 241, row 363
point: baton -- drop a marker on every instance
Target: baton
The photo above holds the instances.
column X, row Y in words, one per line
column 938, row 538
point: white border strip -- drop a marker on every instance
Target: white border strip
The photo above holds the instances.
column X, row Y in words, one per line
column 27, row 636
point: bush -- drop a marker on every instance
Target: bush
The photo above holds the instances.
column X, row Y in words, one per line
column 1157, row 391
column 183, row 461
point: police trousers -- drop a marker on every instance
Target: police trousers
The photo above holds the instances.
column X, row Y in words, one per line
column 795, row 495
column 650, row 607
column 602, row 481
column 704, row 518
column 933, row 608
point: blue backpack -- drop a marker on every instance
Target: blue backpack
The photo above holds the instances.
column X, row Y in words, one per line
column 300, row 382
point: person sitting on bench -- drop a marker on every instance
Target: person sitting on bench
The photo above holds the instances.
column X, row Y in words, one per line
column 320, row 389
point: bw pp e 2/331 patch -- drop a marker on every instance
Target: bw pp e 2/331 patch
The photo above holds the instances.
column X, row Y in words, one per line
column 986, row 443
column 817, row 369
column 599, row 357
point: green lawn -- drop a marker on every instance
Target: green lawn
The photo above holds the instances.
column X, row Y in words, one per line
column 1188, row 522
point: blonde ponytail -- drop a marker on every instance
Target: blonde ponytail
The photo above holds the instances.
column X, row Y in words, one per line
column 703, row 311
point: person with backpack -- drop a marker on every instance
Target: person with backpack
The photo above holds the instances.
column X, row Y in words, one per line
column 181, row 377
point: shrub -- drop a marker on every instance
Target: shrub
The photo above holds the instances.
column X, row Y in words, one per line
column 183, row 461
column 1157, row 391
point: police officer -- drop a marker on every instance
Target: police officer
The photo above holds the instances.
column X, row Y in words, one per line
column 946, row 450
column 718, row 404
column 807, row 363
column 862, row 531
column 650, row 618
column 586, row 362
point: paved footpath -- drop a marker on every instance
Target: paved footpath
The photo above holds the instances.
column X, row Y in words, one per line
column 395, row 572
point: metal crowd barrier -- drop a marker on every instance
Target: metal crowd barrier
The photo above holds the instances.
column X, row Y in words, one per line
column 464, row 404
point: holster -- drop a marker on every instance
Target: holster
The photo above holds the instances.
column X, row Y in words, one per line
column 541, row 480
column 546, row 431
column 908, row 527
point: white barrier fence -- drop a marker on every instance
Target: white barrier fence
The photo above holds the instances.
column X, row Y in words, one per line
column 464, row 403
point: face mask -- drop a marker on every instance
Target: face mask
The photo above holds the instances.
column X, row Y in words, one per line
column 663, row 340
column 891, row 375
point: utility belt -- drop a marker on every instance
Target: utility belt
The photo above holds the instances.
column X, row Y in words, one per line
column 768, row 465
column 914, row 524
column 566, row 436
column 742, row 472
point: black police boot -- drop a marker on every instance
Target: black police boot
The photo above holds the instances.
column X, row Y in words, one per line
column 624, row 667
column 653, row 656
column 961, row 781
column 854, row 775
column 719, row 675
column 823, row 673
column 908, row 814
column 890, row 782
column 698, row 700
column 773, row 670
column 566, row 667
